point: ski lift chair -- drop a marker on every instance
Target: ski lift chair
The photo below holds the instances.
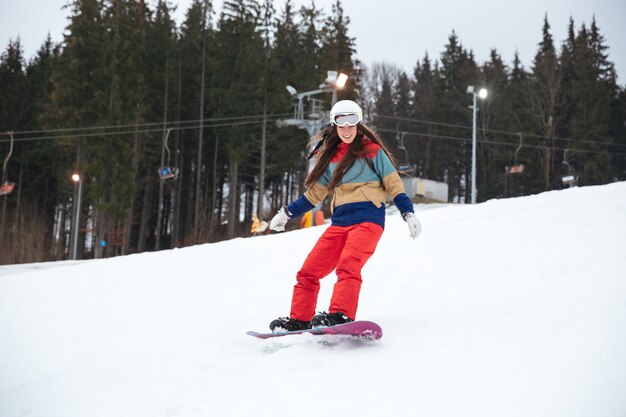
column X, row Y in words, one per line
column 568, row 179
column 167, row 172
column 7, row 186
column 405, row 167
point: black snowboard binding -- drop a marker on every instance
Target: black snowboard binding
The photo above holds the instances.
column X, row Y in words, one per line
column 287, row 324
column 325, row 319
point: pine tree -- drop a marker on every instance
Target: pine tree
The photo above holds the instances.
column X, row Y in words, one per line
column 196, row 102
column 426, row 156
column 458, row 70
column 116, row 163
column 309, row 50
column 337, row 49
column 618, row 131
column 80, row 100
column 271, row 83
column 494, row 156
column 403, row 110
column 13, row 106
column 13, row 117
column 518, row 98
column 545, row 92
column 161, row 57
column 566, row 63
column 43, row 161
column 242, row 52
column 517, row 112
column 291, row 64
column 593, row 92
column 382, row 79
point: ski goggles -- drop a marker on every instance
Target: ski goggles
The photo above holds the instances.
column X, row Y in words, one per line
column 347, row 119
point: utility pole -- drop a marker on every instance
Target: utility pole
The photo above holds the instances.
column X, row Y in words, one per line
column 482, row 94
column 196, row 223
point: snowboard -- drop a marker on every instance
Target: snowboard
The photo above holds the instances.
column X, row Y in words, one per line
column 360, row 329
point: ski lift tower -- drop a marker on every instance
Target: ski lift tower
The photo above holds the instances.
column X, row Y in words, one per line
column 316, row 118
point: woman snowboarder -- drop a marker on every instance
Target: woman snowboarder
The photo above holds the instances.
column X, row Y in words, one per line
column 354, row 164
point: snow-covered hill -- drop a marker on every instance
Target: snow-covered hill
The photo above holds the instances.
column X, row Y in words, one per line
column 509, row 308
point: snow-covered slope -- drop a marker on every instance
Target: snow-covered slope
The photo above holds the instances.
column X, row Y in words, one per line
column 508, row 308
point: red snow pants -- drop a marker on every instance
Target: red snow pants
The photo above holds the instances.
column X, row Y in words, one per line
column 346, row 249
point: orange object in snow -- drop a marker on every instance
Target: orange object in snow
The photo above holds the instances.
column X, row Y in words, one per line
column 318, row 218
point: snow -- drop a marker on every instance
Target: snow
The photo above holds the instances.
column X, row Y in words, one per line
column 512, row 307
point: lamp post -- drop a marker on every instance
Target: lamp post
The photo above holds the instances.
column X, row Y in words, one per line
column 79, row 196
column 482, row 93
column 315, row 120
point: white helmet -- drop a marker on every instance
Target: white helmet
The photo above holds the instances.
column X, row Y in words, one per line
column 346, row 107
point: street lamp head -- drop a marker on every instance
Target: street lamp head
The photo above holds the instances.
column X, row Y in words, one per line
column 76, row 177
column 482, row 93
column 331, row 77
column 292, row 90
column 334, row 79
column 341, row 80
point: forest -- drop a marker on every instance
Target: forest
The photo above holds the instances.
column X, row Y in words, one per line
column 174, row 134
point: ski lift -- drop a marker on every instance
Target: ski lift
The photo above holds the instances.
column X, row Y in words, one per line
column 516, row 168
column 7, row 186
column 568, row 180
column 404, row 166
column 167, row 172
column 521, row 142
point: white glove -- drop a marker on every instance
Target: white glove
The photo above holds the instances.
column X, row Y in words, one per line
column 279, row 221
column 415, row 228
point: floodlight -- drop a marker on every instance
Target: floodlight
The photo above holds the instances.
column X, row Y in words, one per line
column 292, row 90
column 341, row 80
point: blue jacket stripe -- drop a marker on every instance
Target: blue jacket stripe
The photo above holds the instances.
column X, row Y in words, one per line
column 300, row 206
column 403, row 203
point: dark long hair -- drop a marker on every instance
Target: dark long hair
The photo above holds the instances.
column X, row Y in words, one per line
column 329, row 146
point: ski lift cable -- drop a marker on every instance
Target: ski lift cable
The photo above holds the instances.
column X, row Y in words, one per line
column 493, row 142
column 158, row 124
column 133, row 131
column 405, row 119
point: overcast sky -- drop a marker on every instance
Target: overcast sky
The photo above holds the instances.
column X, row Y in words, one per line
column 395, row 31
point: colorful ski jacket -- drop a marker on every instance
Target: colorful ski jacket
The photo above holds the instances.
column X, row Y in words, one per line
column 362, row 192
